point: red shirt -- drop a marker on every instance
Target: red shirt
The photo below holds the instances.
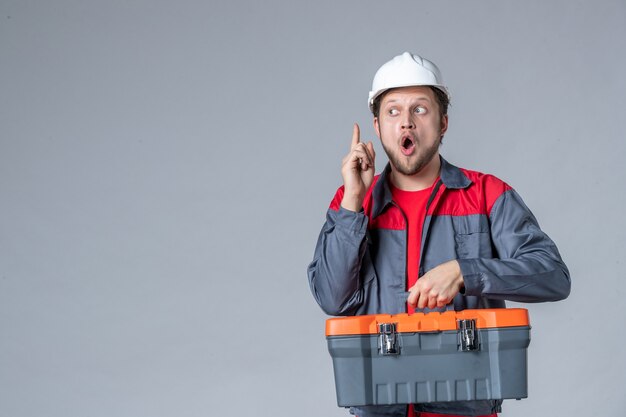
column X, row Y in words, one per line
column 413, row 205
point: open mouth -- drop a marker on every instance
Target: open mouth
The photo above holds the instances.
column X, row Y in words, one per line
column 408, row 145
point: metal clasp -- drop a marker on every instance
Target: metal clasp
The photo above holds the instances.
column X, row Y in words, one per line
column 388, row 339
column 468, row 337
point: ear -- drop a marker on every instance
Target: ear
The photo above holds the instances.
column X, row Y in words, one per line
column 444, row 124
column 377, row 127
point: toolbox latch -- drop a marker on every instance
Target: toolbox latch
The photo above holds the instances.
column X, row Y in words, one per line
column 468, row 337
column 388, row 339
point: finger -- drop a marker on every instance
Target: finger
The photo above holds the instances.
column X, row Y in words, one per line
column 417, row 295
column 412, row 298
column 356, row 135
column 367, row 149
column 371, row 153
column 442, row 301
column 359, row 154
column 422, row 301
column 370, row 149
column 432, row 302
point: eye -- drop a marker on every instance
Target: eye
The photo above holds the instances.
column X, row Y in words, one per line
column 393, row 112
column 420, row 110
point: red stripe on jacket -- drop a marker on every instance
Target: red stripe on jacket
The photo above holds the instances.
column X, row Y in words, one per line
column 478, row 198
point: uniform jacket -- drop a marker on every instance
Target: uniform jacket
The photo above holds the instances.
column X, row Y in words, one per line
column 359, row 264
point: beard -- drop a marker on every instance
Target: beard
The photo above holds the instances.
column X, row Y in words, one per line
column 421, row 158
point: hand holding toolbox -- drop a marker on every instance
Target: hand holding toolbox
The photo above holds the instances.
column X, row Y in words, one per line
column 429, row 357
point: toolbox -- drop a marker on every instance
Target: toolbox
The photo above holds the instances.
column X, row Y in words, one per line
column 429, row 357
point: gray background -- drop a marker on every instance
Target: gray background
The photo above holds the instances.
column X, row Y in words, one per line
column 165, row 168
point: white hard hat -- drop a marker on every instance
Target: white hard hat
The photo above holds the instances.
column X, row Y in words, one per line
column 406, row 70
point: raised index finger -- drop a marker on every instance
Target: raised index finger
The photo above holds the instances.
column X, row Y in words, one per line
column 356, row 135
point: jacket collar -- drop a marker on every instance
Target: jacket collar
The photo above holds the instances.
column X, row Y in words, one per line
column 450, row 175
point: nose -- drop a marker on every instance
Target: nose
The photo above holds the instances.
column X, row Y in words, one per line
column 407, row 121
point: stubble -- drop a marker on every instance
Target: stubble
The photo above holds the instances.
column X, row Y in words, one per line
column 414, row 164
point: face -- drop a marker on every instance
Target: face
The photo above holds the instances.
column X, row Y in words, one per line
column 410, row 128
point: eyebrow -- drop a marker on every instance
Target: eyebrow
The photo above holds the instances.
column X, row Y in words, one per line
column 421, row 98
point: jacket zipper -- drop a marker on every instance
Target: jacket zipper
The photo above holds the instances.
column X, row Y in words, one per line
column 406, row 250
column 425, row 231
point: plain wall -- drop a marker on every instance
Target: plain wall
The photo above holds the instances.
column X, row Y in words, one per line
column 165, row 168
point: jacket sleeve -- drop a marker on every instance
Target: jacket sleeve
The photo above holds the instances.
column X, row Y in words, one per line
column 529, row 267
column 334, row 273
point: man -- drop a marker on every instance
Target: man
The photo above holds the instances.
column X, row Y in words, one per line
column 452, row 237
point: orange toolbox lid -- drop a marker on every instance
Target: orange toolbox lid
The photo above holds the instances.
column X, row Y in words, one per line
column 427, row 322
